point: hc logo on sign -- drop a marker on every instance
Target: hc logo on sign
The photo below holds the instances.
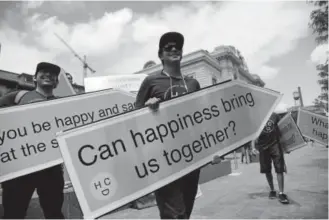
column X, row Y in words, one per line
column 103, row 186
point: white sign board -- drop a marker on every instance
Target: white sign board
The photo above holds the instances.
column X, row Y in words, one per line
column 115, row 161
column 64, row 87
column 291, row 138
column 27, row 132
column 313, row 126
column 127, row 83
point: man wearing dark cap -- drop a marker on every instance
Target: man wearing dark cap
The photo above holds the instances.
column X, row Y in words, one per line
column 270, row 149
column 176, row 199
column 49, row 182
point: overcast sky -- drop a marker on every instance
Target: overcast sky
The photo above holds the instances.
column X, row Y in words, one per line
column 119, row 37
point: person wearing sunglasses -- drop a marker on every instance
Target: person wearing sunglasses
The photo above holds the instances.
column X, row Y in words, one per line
column 169, row 82
column 175, row 200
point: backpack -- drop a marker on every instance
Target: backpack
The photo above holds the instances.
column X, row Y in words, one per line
column 19, row 96
column 12, row 98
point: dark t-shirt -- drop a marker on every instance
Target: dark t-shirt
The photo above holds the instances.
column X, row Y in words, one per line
column 34, row 96
column 270, row 134
column 158, row 85
column 29, row 97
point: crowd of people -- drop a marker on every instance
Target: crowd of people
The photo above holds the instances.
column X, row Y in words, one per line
column 175, row 200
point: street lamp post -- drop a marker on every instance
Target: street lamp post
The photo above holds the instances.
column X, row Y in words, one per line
column 298, row 96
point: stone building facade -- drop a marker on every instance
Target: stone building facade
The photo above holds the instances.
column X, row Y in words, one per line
column 10, row 81
column 224, row 63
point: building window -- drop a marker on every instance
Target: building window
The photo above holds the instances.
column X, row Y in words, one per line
column 28, row 79
column 214, row 80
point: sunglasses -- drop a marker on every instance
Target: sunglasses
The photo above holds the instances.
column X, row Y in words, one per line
column 169, row 47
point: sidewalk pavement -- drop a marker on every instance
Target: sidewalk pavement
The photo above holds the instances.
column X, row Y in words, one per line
column 244, row 195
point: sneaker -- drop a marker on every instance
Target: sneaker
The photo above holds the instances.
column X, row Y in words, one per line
column 272, row 195
column 283, row 198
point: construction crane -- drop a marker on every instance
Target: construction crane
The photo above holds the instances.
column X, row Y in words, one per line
column 84, row 62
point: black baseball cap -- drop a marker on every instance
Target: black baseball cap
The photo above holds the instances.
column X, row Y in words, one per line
column 53, row 69
column 172, row 37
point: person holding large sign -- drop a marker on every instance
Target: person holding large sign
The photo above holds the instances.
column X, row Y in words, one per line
column 49, row 182
column 176, row 199
column 269, row 147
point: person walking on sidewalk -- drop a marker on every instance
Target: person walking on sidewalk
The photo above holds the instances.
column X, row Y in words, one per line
column 269, row 147
column 49, row 183
column 246, row 152
column 175, row 200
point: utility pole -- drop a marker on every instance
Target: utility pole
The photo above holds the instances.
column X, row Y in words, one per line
column 85, row 66
column 300, row 97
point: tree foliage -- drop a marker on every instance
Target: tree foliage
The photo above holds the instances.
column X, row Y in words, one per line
column 323, row 74
column 319, row 21
column 319, row 24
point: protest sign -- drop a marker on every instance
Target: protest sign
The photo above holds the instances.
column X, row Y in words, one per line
column 27, row 132
column 313, row 126
column 291, row 138
column 129, row 82
column 199, row 192
column 64, row 87
column 113, row 162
